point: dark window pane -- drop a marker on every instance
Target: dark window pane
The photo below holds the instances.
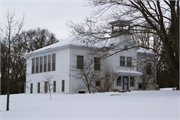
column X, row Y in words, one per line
column 38, row 87
column 49, row 62
column 45, row 63
column 31, row 88
column 131, row 81
column 46, row 87
column 37, row 65
column 53, row 62
column 125, row 47
column 119, row 81
column 129, row 61
column 97, row 63
column 41, row 64
column 98, row 83
column 122, row 61
column 54, row 86
column 80, row 62
column 63, row 85
column 148, row 68
column 33, row 65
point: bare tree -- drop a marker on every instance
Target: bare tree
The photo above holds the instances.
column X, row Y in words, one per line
column 9, row 35
column 153, row 18
column 48, row 80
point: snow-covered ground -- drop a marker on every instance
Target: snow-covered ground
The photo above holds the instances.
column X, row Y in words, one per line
column 135, row 105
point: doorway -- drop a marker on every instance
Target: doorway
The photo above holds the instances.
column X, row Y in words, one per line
column 45, row 87
column 125, row 83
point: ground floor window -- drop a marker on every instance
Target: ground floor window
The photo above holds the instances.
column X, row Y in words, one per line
column 119, row 81
column 38, row 87
column 31, row 88
column 63, row 85
column 98, row 83
column 132, row 81
column 46, row 87
column 54, row 86
column 140, row 86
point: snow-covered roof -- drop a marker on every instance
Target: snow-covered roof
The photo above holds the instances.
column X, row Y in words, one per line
column 128, row 72
column 143, row 50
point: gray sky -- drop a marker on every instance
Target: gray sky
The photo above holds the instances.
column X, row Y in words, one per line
column 50, row 14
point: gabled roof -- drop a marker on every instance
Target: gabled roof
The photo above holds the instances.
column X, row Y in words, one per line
column 78, row 42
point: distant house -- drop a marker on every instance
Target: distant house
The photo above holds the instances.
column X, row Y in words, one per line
column 57, row 60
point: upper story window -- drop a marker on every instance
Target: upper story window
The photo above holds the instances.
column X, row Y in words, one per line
column 122, row 61
column 44, row 63
column 125, row 61
column 125, row 47
column 41, row 64
column 148, row 68
column 49, row 62
column 53, row 61
column 97, row 63
column 129, row 61
column 80, row 62
column 37, row 65
column 33, row 65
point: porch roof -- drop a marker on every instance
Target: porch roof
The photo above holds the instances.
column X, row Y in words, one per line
column 128, row 72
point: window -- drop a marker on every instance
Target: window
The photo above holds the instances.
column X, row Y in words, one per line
column 53, row 62
column 46, row 87
column 31, row 88
column 37, row 64
column 41, row 64
column 54, row 86
column 33, row 65
column 132, row 81
column 98, row 83
column 129, row 61
column 148, row 68
column 119, row 81
column 140, row 86
column 38, row 87
column 125, row 47
column 45, row 63
column 49, row 62
column 63, row 85
column 122, row 61
column 80, row 62
column 96, row 63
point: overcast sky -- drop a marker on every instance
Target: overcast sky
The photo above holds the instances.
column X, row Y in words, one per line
column 50, row 14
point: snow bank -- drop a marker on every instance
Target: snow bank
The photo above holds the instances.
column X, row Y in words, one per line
column 135, row 105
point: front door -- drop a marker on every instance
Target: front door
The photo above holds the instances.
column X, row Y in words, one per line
column 125, row 83
column 45, row 87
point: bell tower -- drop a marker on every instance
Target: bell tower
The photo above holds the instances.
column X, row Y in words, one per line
column 120, row 31
column 120, row 27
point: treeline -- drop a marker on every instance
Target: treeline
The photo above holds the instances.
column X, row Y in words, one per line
column 25, row 42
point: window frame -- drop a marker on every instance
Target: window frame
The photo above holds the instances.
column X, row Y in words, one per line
column 97, row 63
column 132, row 84
column 80, row 62
column 53, row 62
column 121, row 61
column 149, row 68
column 118, row 80
column 54, row 86
column 98, row 83
column 130, row 62
column 38, row 87
column 33, row 66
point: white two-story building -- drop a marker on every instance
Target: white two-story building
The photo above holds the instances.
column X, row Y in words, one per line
column 54, row 62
